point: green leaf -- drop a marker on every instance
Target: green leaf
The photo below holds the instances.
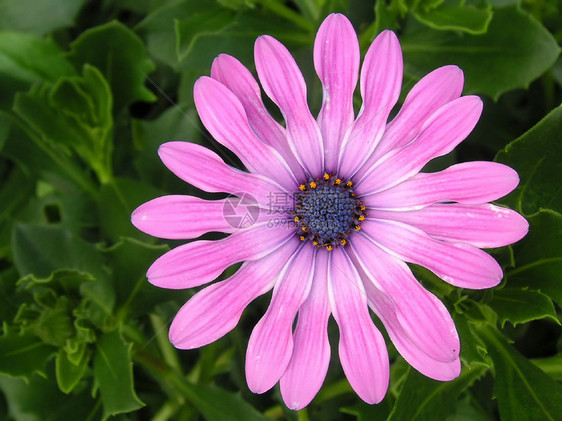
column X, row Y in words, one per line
column 87, row 104
column 45, row 250
column 463, row 18
column 54, row 325
column 38, row 17
column 8, row 280
column 113, row 372
column 209, row 21
column 121, row 57
column 199, row 44
column 41, row 250
column 309, row 9
column 550, row 365
column 29, row 59
column 365, row 412
column 386, row 17
column 472, row 348
column 522, row 305
column 514, row 51
column 75, row 113
column 101, row 293
column 159, row 31
column 538, row 256
column 216, row 404
column 22, row 354
column 117, row 201
column 17, row 188
column 503, row 3
column 128, row 260
column 64, row 282
column 536, row 158
column 39, row 399
column 422, row 398
column 68, row 373
column 5, row 123
column 72, row 209
column 56, row 166
column 24, row 59
column 522, row 390
column 181, row 35
column 175, row 123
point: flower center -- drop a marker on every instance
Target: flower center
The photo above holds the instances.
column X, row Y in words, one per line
column 327, row 212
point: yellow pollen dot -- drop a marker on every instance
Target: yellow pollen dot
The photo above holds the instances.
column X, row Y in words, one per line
column 296, row 219
column 343, row 242
column 303, row 229
column 363, row 207
column 326, row 176
column 361, row 218
column 315, row 243
column 302, row 187
column 357, row 227
column 312, row 184
column 329, row 248
column 349, row 184
column 302, row 237
column 338, row 181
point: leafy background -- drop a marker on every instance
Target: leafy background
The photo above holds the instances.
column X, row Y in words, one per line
column 89, row 89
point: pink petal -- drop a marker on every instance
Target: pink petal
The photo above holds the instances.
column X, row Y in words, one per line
column 284, row 84
column 459, row 264
column 204, row 169
column 236, row 77
column 362, row 349
column 181, row 217
column 427, row 96
column 437, row 370
column 216, row 310
column 421, row 317
column 468, row 182
column 271, row 343
column 441, row 133
column 381, row 79
column 336, row 60
column 223, row 115
column 199, row 262
column 311, row 352
column 483, row 226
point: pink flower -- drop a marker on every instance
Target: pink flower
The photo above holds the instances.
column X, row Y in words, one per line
column 337, row 205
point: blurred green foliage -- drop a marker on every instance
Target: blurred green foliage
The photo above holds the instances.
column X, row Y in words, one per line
column 89, row 89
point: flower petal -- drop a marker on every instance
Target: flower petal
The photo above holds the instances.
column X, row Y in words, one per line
column 311, row 351
column 284, row 84
column 336, row 60
column 459, row 264
column 223, row 115
column 444, row 130
column 199, row 262
column 204, row 169
column 216, row 310
column 381, row 79
column 469, row 182
column 362, row 349
column 271, row 343
column 178, row 217
column 422, row 317
column 427, row 96
column 236, row 77
column 483, row 226
column 418, row 359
